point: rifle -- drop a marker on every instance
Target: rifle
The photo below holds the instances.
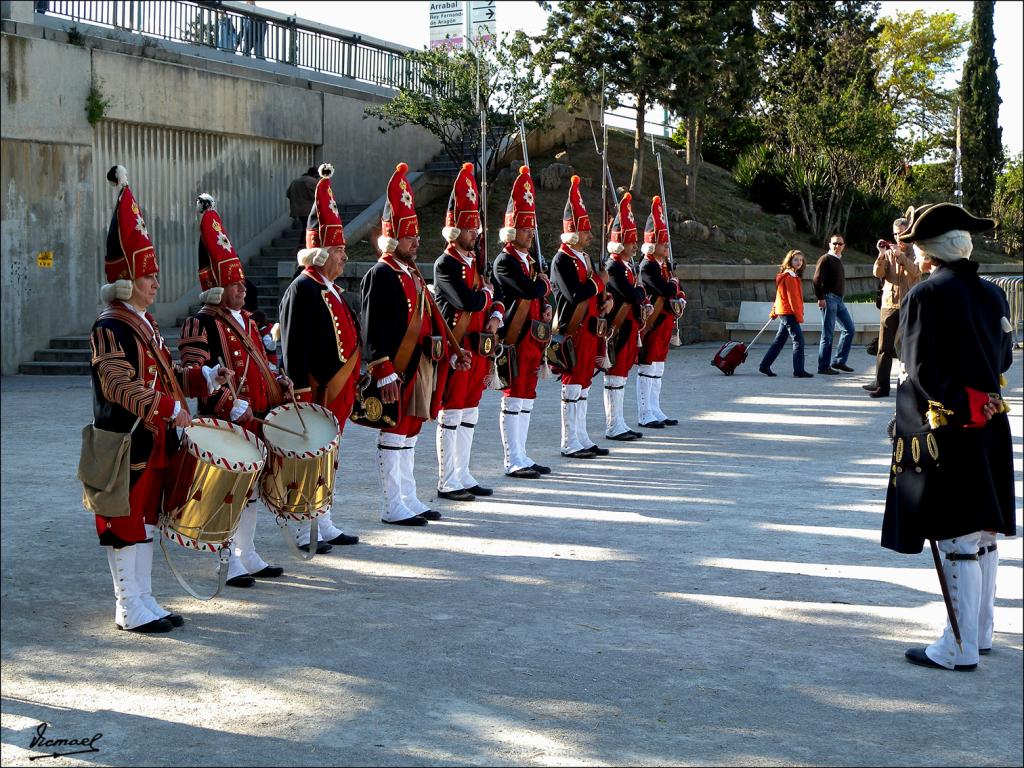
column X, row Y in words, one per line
column 538, row 251
column 480, row 247
column 676, row 340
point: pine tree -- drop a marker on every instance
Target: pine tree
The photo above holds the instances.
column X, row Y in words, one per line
column 980, row 134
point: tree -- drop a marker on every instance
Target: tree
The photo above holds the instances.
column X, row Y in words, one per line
column 444, row 101
column 1007, row 206
column 980, row 135
column 714, row 72
column 915, row 52
column 632, row 43
column 821, row 108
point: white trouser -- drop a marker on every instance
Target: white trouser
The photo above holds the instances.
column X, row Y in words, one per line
column 570, row 417
column 407, row 471
column 464, row 447
column 988, row 559
column 581, row 421
column 244, row 559
column 326, row 529
column 523, row 431
column 614, row 394
column 130, row 610
column 144, row 572
column 963, row 577
column 644, row 389
column 390, row 446
column 448, row 422
column 659, row 371
column 508, row 421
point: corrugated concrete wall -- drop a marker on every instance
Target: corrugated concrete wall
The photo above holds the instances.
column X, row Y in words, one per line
column 181, row 125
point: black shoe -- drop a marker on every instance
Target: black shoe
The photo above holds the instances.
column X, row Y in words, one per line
column 670, row 422
column 803, row 375
column 322, row 548
column 460, row 495
column 430, row 515
column 869, row 387
column 653, row 425
column 343, row 539
column 598, row 451
column 157, row 625
column 177, row 620
column 526, row 473
column 624, row 436
column 827, row 372
column 479, row 490
column 270, row 572
column 767, row 372
column 919, row 657
column 878, row 393
column 842, row 367
column 540, row 469
column 245, row 580
column 583, row 453
column 411, row 521
column 984, row 651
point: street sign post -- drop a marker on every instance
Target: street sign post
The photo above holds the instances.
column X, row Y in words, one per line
column 447, row 23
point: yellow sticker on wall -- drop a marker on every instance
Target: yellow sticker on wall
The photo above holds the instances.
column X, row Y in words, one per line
column 44, row 259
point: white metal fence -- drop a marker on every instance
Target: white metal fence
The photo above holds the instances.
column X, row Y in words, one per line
column 168, row 168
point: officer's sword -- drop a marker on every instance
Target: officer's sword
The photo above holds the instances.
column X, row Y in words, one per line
column 950, row 611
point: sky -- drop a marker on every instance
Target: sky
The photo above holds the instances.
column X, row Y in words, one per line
column 407, row 22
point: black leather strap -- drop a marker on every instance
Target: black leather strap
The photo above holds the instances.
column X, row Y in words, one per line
column 955, row 556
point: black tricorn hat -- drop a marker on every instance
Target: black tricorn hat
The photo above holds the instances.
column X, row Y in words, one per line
column 934, row 219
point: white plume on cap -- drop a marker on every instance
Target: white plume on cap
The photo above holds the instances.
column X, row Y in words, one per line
column 647, row 249
column 387, row 244
column 326, row 170
column 451, row 234
column 118, row 176
column 614, row 247
column 570, row 238
column 507, row 234
column 205, row 202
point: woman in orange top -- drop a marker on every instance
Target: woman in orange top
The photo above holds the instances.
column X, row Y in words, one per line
column 789, row 308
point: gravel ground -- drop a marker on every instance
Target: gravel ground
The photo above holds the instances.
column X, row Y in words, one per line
column 713, row 594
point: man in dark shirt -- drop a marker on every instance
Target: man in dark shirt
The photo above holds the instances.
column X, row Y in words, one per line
column 829, row 287
column 300, row 197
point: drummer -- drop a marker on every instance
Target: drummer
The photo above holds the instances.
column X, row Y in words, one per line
column 320, row 333
column 222, row 331
column 137, row 389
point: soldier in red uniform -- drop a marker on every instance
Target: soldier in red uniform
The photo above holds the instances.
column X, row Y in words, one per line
column 403, row 332
column 137, row 389
column 527, row 323
column 627, row 317
column 668, row 299
column 466, row 300
column 223, row 331
column 319, row 333
column 580, row 301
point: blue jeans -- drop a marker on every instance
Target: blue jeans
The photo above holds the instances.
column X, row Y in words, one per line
column 834, row 310
column 788, row 326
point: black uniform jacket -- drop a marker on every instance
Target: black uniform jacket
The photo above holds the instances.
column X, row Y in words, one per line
column 570, row 287
column 309, row 345
column 514, row 285
column 624, row 291
column 950, row 480
column 652, row 279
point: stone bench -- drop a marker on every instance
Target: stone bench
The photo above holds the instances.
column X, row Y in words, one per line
column 753, row 315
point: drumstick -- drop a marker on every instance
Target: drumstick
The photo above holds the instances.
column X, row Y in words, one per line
column 231, row 387
column 298, row 411
column 277, row 426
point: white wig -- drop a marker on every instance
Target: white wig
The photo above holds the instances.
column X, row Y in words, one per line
column 949, row 246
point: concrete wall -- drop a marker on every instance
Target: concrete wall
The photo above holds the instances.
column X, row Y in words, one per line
column 187, row 123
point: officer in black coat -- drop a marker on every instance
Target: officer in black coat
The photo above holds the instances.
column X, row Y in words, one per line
column 951, row 475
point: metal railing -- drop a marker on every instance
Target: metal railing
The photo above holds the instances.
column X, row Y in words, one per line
column 249, row 32
column 1013, row 286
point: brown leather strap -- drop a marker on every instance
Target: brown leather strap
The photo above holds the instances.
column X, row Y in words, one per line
column 323, row 395
column 620, row 317
column 276, row 395
column 577, row 318
column 462, row 324
column 412, row 333
column 659, row 305
column 521, row 313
